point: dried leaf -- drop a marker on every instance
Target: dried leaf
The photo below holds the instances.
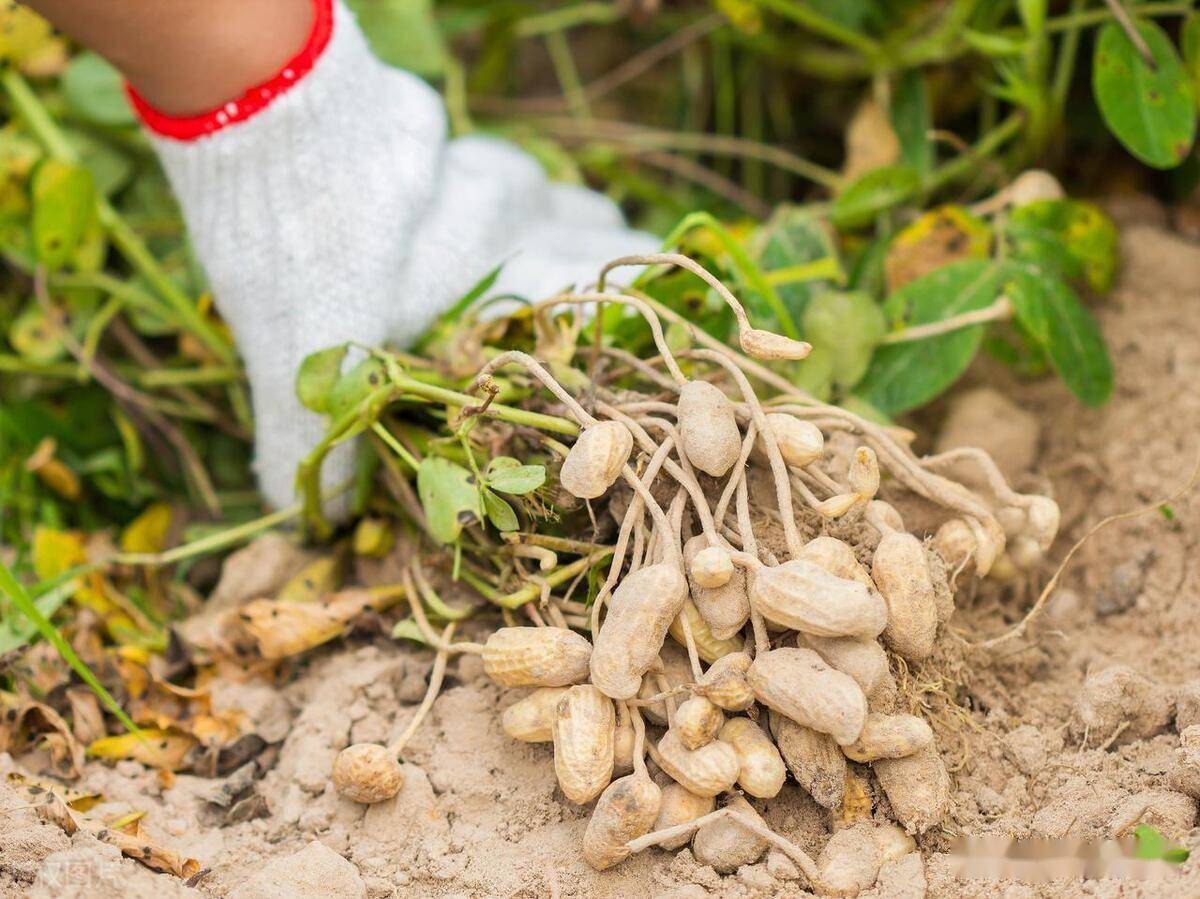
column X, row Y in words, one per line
column 314, row 580
column 153, row 747
column 148, row 532
column 282, row 629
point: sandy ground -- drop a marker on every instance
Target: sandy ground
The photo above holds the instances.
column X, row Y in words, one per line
column 480, row 815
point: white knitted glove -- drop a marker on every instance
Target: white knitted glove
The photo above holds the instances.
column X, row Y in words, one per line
column 327, row 206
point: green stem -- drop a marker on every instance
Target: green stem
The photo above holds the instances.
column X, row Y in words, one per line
column 395, row 445
column 118, row 230
column 1083, row 19
column 556, row 577
column 1065, row 65
column 818, row 23
column 966, row 162
column 552, row 423
column 567, row 17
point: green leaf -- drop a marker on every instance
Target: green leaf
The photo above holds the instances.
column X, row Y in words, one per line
column 1033, row 15
column 516, row 479
column 904, row 376
column 875, row 192
column 797, row 255
column 1071, row 237
column 1053, row 316
column 35, row 337
column 1152, row 111
column 95, row 92
column 1189, row 42
column 110, row 168
column 499, row 512
column 16, row 630
column 912, row 122
column 450, row 496
column 317, row 376
column 849, row 326
column 64, row 200
column 403, row 33
column 354, row 386
column 1153, row 846
column 407, row 629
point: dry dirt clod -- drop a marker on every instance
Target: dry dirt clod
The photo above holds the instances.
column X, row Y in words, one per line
column 850, row 861
column 1117, row 704
column 814, row 759
column 639, row 614
column 725, row 844
column 708, row 771
column 708, row 428
column 1185, row 773
column 626, row 810
column 367, row 772
column 801, row 443
column 901, row 571
column 917, row 786
column 987, row 419
column 584, row 734
column 536, row 657
column 594, row 462
column 697, row 722
column 889, row 737
column 724, row 683
column 531, row 720
column 798, row 684
column 802, row 596
column 679, row 806
column 1187, row 705
column 762, row 769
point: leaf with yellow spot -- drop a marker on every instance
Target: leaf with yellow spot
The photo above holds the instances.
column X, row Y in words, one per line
column 35, row 787
column 148, row 532
column 937, row 238
column 314, row 580
column 154, row 748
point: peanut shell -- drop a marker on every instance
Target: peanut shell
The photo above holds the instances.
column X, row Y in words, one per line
column 536, row 657
column 800, row 442
column 706, row 771
column 724, row 683
column 889, row 737
column 639, row 613
column 797, row 683
column 861, row 658
column 708, row 428
column 584, row 726
column 626, row 810
column 367, row 772
column 708, row 647
column 815, row 760
column 901, row 572
column 678, row 807
column 802, row 596
column 837, row 557
column 725, row 609
column 595, row 461
column 725, row 844
column 531, row 720
column 850, row 861
column 917, row 786
column 697, row 722
column 762, row 771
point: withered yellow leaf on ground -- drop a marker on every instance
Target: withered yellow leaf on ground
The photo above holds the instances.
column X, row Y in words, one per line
column 314, row 580
column 36, row 787
column 282, row 629
column 154, row 748
column 26, row 724
column 148, row 532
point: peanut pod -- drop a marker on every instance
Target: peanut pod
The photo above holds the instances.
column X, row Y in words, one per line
column 595, row 461
column 697, row 722
column 889, row 737
column 901, row 572
column 708, row 428
column 725, row 844
column 584, row 725
column 536, row 657
column 707, row 771
column 724, row 683
column 863, row 659
column 708, row 647
column 726, row 608
column 917, row 786
column 679, row 806
column 762, row 769
column 531, row 720
column 814, row 759
column 797, row 683
column 639, row 613
column 626, row 810
column 804, row 597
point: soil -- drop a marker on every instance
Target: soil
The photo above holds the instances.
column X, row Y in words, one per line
column 480, row 815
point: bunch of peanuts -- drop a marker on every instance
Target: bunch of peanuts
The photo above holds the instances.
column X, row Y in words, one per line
column 729, row 666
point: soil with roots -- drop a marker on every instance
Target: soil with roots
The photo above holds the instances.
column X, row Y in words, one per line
column 480, row 815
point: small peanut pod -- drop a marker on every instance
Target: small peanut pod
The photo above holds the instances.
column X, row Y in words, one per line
column 725, row 844
column 902, row 574
column 367, row 772
column 584, row 726
column 800, row 442
column 710, row 566
column 863, row 476
column 594, row 463
column 724, row 684
column 797, row 683
column 531, row 720
column 697, row 722
column 804, row 597
column 678, row 807
column 626, row 810
column 536, row 657
column 726, row 608
column 1044, row 517
column 917, row 786
column 850, row 861
column 639, row 613
column 889, row 737
column 708, row 428
column 838, row 558
column 762, row 769
column 815, row 760
column 706, row 771
column 767, row 345
column 955, row 542
column 885, row 513
column 708, row 647
column 861, row 658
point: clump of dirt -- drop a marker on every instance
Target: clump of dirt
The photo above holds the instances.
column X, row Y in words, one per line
column 1034, row 752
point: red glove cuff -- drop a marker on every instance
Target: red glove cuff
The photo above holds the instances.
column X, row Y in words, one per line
column 254, row 100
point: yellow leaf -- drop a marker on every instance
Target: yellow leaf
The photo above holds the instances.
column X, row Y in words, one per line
column 937, row 238
column 79, row 800
column 282, row 629
column 148, row 532
column 313, row 581
column 154, row 748
column 23, row 33
column 56, row 551
column 373, row 537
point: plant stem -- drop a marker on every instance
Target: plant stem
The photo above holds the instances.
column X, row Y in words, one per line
column 966, row 162
column 567, row 17
column 395, row 445
column 554, row 578
column 1096, row 16
column 818, row 23
column 551, row 423
column 1000, row 310
column 118, row 230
